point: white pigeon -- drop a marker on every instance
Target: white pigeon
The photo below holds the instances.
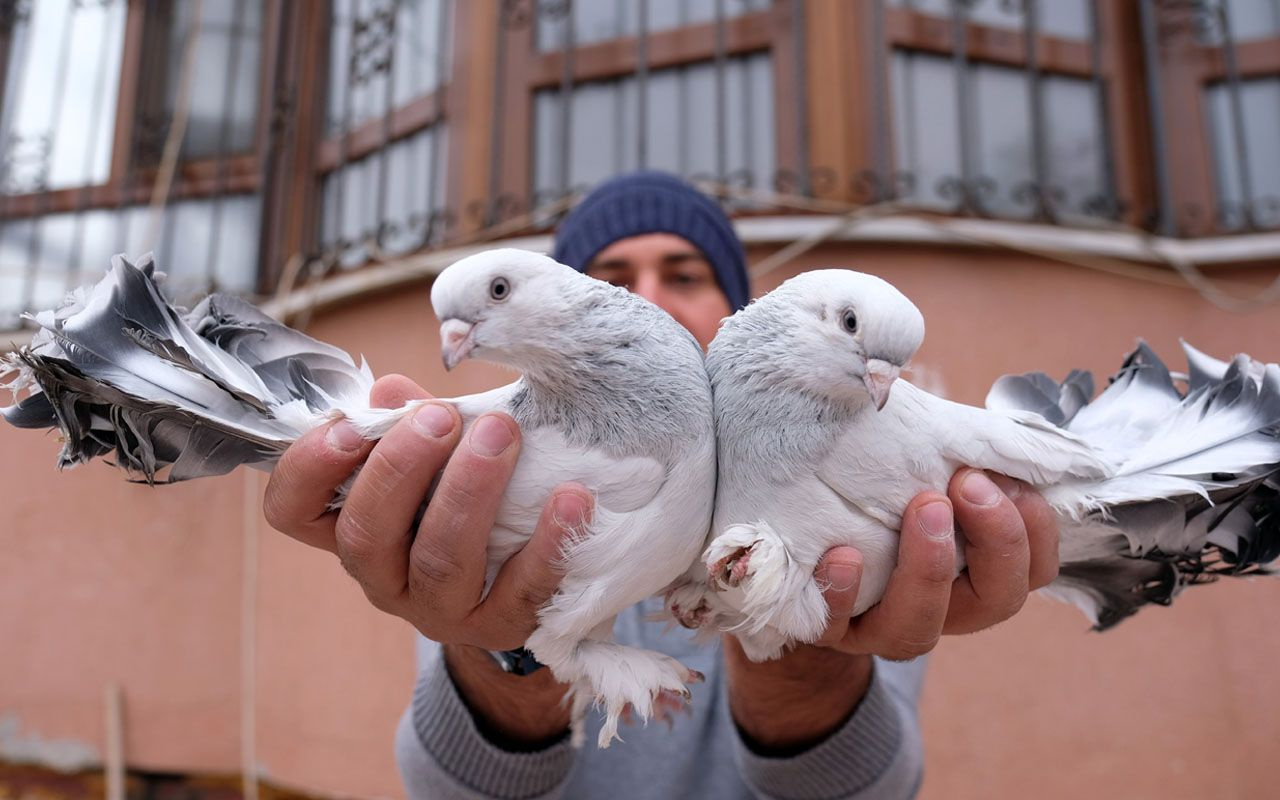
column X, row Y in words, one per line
column 820, row 444
column 613, row 394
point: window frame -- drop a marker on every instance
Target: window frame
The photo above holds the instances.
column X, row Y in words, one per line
column 1188, row 68
column 525, row 70
column 1118, row 71
column 129, row 182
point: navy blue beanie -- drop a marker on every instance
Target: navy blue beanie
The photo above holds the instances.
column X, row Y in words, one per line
column 654, row 202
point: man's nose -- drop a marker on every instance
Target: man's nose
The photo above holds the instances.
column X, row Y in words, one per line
column 648, row 286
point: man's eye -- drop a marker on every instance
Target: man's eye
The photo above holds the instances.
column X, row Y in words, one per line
column 688, row 279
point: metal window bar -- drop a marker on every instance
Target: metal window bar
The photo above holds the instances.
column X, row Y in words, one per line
column 1039, row 193
column 510, row 17
column 384, row 22
column 566, row 95
column 140, row 132
column 1105, row 204
column 801, row 92
column 42, row 178
column 965, row 191
column 722, row 133
column 1163, row 221
column 642, row 84
column 190, row 38
column 75, row 267
column 1243, row 174
column 224, row 132
column 882, row 179
column 340, row 174
column 442, row 65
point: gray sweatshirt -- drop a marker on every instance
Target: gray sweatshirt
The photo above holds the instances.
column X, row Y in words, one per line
column 874, row 756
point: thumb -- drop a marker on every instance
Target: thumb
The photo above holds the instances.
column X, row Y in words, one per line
column 839, row 574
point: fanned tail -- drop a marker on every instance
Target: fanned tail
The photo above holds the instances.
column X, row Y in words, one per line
column 1195, row 495
column 120, row 372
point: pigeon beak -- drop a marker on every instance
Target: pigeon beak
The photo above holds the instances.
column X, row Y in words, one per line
column 879, row 380
column 455, row 341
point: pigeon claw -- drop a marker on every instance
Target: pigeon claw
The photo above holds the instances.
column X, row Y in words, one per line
column 691, row 618
column 732, row 570
column 667, row 704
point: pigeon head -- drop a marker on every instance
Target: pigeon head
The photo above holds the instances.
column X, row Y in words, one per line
column 504, row 306
column 848, row 334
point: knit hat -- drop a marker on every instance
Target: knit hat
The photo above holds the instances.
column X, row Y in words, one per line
column 654, row 202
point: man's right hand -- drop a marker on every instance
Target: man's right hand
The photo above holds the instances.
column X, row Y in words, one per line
column 434, row 576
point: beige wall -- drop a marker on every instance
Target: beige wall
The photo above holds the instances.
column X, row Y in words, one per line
column 104, row 582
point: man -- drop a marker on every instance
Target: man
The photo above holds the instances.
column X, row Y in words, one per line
column 825, row 720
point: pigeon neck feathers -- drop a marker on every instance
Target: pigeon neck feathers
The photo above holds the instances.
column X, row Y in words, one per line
column 611, row 385
column 766, row 412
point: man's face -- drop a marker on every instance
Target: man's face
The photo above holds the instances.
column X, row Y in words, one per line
column 669, row 272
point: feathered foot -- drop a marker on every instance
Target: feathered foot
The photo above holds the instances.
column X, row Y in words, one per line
column 731, row 568
column 687, row 603
column 623, row 682
column 778, row 592
column 666, row 706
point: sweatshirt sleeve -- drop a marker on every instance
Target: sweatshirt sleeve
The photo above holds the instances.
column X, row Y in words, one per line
column 876, row 755
column 442, row 754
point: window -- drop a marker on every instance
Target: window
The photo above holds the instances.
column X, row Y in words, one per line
column 1246, row 159
column 384, row 161
column 1218, row 110
column 687, row 136
column 1065, row 18
column 60, row 88
column 1000, row 108
column 596, row 21
column 1246, row 20
column 1001, row 162
column 90, row 91
column 382, row 55
column 388, row 202
column 707, row 89
column 222, row 114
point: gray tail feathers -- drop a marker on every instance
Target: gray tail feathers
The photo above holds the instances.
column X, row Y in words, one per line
column 1196, row 489
column 120, row 372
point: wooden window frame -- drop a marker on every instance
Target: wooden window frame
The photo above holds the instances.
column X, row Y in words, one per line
column 129, row 183
column 328, row 154
column 1126, row 126
column 527, row 70
column 1187, row 68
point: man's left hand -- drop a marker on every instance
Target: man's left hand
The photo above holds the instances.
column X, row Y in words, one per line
column 1010, row 541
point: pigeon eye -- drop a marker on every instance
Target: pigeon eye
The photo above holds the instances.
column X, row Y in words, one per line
column 849, row 321
column 499, row 289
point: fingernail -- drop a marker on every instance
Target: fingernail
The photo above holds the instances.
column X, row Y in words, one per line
column 935, row 518
column 434, row 420
column 490, row 436
column 842, row 576
column 569, row 510
column 1011, row 488
column 342, row 435
column 978, row 489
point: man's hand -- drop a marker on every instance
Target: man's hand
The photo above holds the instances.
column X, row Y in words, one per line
column 1010, row 549
column 433, row 575
column 433, row 578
